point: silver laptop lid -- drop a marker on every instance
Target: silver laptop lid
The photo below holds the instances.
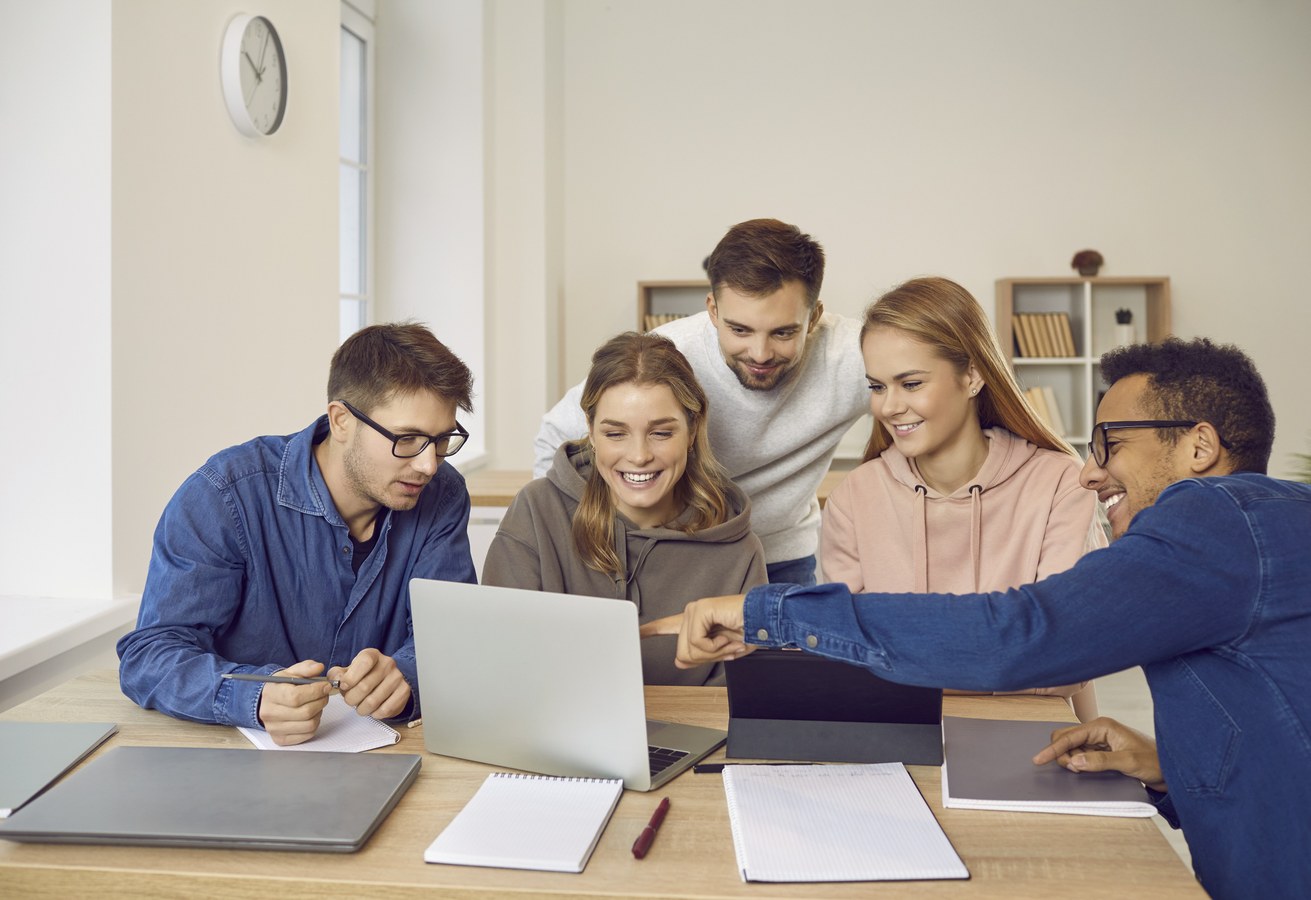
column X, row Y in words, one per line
column 543, row 682
column 211, row 797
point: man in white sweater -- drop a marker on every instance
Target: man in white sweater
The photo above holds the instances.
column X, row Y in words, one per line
column 785, row 381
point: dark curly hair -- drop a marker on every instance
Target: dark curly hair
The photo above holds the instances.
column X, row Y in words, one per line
column 1202, row 381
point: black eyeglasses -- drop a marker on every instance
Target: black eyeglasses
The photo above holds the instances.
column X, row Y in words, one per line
column 1101, row 452
column 408, row 446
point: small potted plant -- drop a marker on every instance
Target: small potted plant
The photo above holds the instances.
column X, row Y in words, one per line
column 1087, row 262
column 1124, row 327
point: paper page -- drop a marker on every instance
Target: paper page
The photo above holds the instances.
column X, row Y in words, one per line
column 835, row 823
column 529, row 822
column 341, row 729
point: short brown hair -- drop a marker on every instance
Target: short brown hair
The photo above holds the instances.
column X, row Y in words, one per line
column 380, row 362
column 756, row 258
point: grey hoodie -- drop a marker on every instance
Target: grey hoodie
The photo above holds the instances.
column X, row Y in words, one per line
column 664, row 568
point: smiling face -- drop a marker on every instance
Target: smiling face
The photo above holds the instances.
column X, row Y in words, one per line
column 1139, row 463
column 641, row 438
column 925, row 404
column 763, row 339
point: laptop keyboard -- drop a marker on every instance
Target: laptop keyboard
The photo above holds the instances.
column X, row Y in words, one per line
column 662, row 758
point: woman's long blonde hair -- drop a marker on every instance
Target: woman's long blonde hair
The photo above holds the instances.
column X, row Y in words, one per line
column 647, row 359
column 944, row 316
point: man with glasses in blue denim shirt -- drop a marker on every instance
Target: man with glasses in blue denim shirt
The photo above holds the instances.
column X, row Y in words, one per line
column 1207, row 587
column 293, row 554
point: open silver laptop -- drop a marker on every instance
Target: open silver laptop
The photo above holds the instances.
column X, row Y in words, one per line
column 542, row 682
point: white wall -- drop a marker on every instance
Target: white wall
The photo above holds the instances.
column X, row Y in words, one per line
column 55, row 305
column 429, row 171
column 224, row 251
column 618, row 141
column 170, row 284
column 972, row 140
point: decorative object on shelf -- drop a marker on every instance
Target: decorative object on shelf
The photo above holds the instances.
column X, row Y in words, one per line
column 1124, row 335
column 253, row 72
column 1087, row 262
column 1303, row 470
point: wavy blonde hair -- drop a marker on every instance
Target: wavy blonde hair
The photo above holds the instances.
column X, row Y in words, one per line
column 946, row 318
column 647, row 359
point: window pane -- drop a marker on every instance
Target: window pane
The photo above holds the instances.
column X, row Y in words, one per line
column 352, row 97
column 351, row 216
column 350, row 318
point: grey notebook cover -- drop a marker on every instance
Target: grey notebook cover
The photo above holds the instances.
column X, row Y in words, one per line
column 991, row 760
column 206, row 797
column 34, row 755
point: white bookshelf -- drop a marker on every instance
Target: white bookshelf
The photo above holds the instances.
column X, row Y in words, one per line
column 1090, row 304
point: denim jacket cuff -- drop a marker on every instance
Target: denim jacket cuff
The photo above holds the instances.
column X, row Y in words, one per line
column 761, row 615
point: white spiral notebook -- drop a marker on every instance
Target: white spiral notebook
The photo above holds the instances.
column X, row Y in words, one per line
column 341, row 730
column 529, row 822
column 835, row 823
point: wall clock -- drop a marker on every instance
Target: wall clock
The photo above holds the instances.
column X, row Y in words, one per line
column 253, row 71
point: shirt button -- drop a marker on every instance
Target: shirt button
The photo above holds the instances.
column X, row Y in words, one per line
column 345, row 549
column 762, row 635
column 811, row 641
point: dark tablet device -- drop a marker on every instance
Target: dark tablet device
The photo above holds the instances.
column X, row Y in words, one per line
column 792, row 705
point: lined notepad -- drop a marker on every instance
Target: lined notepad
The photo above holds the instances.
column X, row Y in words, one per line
column 990, row 764
column 341, row 730
column 529, row 822
column 835, row 823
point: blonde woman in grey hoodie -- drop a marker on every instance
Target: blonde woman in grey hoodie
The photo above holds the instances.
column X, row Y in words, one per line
column 963, row 488
column 639, row 510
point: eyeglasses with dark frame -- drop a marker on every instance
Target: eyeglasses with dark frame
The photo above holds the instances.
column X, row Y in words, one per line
column 1102, row 453
column 408, row 446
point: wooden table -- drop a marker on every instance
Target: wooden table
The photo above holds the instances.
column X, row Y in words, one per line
column 1008, row 854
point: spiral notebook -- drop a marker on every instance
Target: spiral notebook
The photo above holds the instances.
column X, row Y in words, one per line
column 529, row 822
column 341, row 730
column 835, row 823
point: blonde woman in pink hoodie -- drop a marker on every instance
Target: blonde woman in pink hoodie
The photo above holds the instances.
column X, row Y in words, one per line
column 963, row 488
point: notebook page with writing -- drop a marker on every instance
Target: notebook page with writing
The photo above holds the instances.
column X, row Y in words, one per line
column 528, row 822
column 341, row 730
column 990, row 764
column 835, row 823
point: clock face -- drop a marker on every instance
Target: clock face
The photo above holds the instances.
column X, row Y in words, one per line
column 254, row 75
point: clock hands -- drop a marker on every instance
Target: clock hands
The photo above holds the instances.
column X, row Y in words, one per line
column 259, row 73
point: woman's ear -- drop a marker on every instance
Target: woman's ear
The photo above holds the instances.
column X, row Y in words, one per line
column 973, row 381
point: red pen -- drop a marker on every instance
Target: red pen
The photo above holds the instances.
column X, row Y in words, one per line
column 643, row 842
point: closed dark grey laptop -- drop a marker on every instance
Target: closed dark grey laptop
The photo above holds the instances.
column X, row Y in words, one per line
column 792, row 705
column 206, row 797
column 542, row 682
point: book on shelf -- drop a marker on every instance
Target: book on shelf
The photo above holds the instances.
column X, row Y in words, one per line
column 654, row 320
column 1054, row 417
column 1067, row 336
column 1044, row 404
column 1020, row 338
column 1043, row 334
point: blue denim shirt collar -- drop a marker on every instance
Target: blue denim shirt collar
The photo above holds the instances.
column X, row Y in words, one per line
column 301, row 485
